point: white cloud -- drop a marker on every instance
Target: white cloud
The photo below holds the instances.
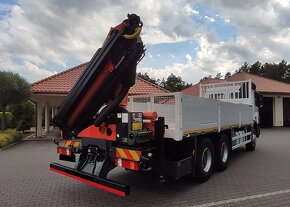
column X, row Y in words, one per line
column 31, row 68
column 153, row 36
column 150, row 56
column 54, row 32
column 284, row 3
column 216, row 57
column 188, row 58
column 28, row 70
column 211, row 19
column 189, row 11
column 171, row 55
column 38, row 34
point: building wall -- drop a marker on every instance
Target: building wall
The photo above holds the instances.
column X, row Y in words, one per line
column 286, row 111
column 278, row 111
column 278, row 116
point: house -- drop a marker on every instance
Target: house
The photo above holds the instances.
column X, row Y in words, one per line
column 49, row 93
column 276, row 97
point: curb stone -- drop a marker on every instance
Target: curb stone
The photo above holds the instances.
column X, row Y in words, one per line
column 10, row 145
column 14, row 143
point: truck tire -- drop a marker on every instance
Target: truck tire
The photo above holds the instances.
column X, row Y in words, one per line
column 251, row 146
column 257, row 130
column 223, row 152
column 204, row 160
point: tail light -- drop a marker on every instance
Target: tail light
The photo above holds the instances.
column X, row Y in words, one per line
column 64, row 151
column 128, row 164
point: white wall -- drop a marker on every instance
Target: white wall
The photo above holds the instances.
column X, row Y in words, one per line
column 278, row 111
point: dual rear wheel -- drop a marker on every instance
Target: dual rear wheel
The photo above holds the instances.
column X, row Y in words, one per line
column 210, row 157
column 223, row 153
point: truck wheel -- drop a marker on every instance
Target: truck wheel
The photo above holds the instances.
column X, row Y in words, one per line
column 223, row 152
column 257, row 130
column 251, row 146
column 204, row 160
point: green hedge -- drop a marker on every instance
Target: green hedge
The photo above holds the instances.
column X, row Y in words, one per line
column 9, row 136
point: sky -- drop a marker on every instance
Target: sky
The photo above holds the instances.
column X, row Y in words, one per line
column 191, row 39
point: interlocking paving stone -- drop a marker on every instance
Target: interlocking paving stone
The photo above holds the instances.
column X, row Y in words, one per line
column 26, row 181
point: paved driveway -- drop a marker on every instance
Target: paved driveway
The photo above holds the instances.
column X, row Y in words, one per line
column 260, row 178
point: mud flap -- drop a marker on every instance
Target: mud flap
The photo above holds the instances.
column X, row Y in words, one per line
column 104, row 184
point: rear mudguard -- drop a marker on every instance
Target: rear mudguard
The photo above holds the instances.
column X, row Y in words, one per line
column 104, row 184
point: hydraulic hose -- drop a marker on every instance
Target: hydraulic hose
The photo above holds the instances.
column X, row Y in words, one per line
column 134, row 35
column 106, row 111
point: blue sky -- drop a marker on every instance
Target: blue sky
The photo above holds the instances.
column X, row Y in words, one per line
column 6, row 10
column 160, row 55
column 191, row 39
column 223, row 28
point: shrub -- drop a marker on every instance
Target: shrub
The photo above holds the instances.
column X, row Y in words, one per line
column 23, row 115
column 23, row 126
column 9, row 136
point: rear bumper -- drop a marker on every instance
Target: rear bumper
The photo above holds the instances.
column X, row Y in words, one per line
column 104, row 184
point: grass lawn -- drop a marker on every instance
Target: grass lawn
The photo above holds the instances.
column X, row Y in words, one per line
column 9, row 136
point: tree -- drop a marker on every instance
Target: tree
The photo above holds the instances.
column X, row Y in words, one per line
column 256, row 68
column 13, row 89
column 174, row 83
column 206, row 77
column 280, row 71
column 218, row 76
column 146, row 77
column 227, row 75
column 23, row 115
column 244, row 68
column 276, row 71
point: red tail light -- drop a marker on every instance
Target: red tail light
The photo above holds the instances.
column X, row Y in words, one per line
column 64, row 151
column 128, row 164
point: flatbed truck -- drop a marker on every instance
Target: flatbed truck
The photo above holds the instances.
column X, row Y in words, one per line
column 171, row 134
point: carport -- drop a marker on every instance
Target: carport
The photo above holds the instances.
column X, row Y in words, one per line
column 276, row 96
column 49, row 93
column 266, row 112
column 286, row 111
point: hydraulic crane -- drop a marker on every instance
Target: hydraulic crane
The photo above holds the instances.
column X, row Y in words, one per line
column 171, row 134
column 91, row 109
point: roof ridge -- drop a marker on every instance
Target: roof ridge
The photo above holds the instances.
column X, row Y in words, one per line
column 155, row 85
column 246, row 73
column 214, row 79
column 205, row 80
column 58, row 74
column 48, row 84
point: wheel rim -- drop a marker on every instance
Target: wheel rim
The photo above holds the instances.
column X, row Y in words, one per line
column 206, row 159
column 224, row 152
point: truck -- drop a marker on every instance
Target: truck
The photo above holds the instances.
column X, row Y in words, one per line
column 171, row 134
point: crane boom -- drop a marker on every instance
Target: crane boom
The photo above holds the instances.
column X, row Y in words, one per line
column 106, row 79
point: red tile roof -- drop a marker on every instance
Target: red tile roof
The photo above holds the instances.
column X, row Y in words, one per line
column 264, row 85
column 192, row 90
column 62, row 83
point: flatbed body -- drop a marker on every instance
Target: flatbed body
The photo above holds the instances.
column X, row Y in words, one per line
column 189, row 115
